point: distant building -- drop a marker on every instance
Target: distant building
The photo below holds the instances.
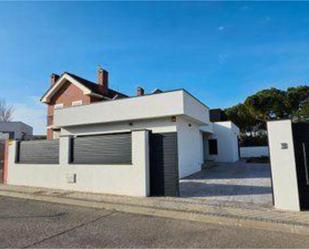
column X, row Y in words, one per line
column 16, row 130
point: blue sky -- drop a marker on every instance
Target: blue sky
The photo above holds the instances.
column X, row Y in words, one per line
column 219, row 51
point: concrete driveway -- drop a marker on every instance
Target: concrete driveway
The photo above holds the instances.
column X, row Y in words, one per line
column 238, row 183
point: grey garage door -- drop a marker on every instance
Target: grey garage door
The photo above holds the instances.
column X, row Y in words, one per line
column 102, row 149
column 164, row 180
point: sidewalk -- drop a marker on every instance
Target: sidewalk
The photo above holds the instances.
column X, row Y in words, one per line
column 177, row 208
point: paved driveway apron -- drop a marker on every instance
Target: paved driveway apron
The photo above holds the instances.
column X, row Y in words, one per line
column 239, row 183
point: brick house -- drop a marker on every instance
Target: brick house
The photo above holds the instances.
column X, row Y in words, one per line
column 71, row 90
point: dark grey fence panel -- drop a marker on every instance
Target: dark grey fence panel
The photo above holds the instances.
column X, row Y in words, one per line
column 164, row 179
column 38, row 152
column 102, row 149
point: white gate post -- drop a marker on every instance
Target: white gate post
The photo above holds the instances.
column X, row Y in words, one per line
column 283, row 165
column 140, row 156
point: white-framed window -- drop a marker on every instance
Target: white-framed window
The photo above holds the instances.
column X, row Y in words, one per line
column 58, row 106
column 78, row 102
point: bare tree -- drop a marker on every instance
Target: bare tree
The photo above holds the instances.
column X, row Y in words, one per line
column 6, row 111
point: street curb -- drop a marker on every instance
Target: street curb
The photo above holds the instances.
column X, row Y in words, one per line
column 165, row 213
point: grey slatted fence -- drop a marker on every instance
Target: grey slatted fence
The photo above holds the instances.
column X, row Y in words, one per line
column 102, row 149
column 38, row 152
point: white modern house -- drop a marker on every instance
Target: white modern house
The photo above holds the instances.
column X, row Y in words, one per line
column 111, row 143
column 150, row 140
column 174, row 111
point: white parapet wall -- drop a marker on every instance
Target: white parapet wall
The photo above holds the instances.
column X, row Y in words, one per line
column 226, row 133
column 130, row 179
column 283, row 166
column 254, row 151
column 167, row 104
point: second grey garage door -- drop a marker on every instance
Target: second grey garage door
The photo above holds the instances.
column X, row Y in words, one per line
column 164, row 180
column 102, row 149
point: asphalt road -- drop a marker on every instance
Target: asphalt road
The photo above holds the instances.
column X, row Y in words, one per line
column 27, row 223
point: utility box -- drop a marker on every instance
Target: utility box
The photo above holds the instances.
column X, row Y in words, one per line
column 71, row 178
column 289, row 151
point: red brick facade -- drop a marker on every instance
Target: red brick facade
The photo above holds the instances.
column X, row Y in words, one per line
column 66, row 95
column 69, row 93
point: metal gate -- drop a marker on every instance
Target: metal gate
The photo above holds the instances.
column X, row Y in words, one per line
column 164, row 180
column 301, row 148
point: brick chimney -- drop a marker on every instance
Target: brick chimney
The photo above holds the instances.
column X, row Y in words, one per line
column 140, row 91
column 53, row 78
column 103, row 80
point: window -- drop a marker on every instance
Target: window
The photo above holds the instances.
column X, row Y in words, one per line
column 213, row 146
column 58, row 106
column 76, row 103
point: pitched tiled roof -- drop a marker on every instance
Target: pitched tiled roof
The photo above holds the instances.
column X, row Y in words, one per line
column 94, row 87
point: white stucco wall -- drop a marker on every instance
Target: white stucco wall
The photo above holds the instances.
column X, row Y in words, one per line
column 195, row 109
column 283, row 166
column 159, row 125
column 113, row 179
column 190, row 147
column 254, row 151
column 226, row 134
column 153, row 106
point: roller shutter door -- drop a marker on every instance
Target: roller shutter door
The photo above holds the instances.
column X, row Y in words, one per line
column 102, row 149
column 38, row 152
